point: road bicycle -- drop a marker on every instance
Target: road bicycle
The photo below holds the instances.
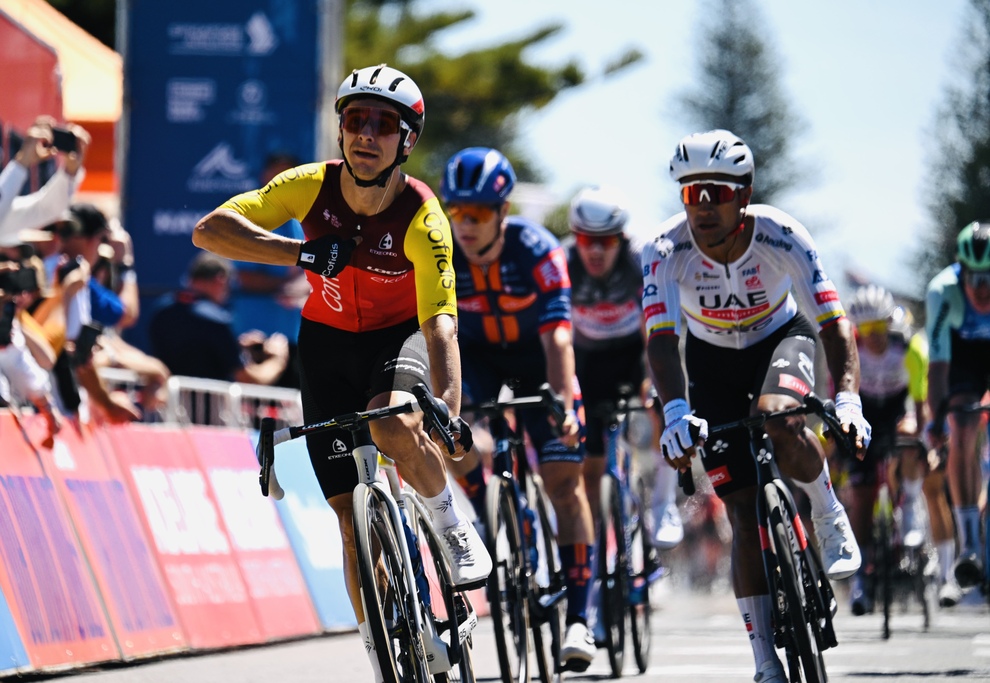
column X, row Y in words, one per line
column 627, row 564
column 901, row 570
column 413, row 644
column 526, row 587
column 973, row 409
column 803, row 603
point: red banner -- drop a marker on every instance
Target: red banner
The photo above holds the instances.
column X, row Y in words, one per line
column 259, row 542
column 43, row 575
column 182, row 519
column 107, row 525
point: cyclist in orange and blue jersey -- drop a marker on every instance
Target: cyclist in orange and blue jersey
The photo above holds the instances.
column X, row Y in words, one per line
column 382, row 315
column 514, row 305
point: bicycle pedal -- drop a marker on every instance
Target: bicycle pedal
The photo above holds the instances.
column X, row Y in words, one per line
column 577, row 666
column 474, row 585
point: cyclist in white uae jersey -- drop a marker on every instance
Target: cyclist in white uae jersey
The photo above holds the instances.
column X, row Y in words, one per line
column 729, row 268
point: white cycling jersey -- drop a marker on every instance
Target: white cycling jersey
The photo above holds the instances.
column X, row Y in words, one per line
column 738, row 304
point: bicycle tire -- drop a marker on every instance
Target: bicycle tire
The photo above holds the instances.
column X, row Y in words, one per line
column 643, row 566
column 508, row 591
column 548, row 582
column 456, row 608
column 883, row 558
column 613, row 573
column 387, row 607
column 802, row 641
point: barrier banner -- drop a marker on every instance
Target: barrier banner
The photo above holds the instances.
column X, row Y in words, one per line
column 274, row 581
column 313, row 533
column 106, row 522
column 181, row 517
column 43, row 575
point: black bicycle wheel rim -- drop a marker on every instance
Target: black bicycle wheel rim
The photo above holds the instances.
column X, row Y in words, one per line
column 802, row 635
column 641, row 612
column 883, row 561
column 613, row 572
column 507, row 592
column 386, row 606
column 547, row 634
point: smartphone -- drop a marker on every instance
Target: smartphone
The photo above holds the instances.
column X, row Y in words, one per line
column 64, row 140
column 68, row 267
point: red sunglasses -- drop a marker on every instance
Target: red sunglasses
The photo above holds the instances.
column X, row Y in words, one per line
column 716, row 193
column 382, row 121
column 603, row 241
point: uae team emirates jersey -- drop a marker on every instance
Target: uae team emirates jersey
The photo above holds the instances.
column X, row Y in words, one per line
column 402, row 268
column 738, row 304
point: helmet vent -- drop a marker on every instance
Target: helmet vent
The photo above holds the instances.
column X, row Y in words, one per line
column 395, row 84
column 375, row 74
column 354, row 78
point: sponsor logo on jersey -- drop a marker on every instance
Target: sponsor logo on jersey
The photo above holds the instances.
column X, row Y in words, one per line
column 732, row 307
column 755, row 270
column 793, row 384
column 753, row 282
column 655, row 309
column 551, row 272
column 826, row 296
column 719, row 476
column 775, row 243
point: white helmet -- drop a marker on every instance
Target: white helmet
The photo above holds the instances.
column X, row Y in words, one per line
column 716, row 154
column 598, row 211
column 871, row 303
column 385, row 83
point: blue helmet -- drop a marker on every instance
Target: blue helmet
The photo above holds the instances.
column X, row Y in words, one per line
column 477, row 175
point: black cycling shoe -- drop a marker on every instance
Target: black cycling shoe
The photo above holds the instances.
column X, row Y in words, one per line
column 968, row 571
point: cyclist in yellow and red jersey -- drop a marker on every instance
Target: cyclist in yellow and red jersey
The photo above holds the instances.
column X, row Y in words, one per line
column 382, row 315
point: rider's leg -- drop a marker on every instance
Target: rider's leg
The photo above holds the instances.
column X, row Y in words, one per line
column 943, row 535
column 593, row 469
column 470, row 475
column 749, row 581
column 965, row 477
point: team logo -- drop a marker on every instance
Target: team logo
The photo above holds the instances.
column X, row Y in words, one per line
column 386, row 242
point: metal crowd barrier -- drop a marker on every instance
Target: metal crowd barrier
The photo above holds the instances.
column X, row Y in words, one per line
column 192, row 400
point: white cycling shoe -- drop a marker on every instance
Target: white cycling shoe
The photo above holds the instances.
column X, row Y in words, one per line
column 837, row 545
column 578, row 649
column 466, row 555
column 669, row 530
column 771, row 671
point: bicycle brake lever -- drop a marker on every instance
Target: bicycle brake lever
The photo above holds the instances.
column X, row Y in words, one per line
column 555, row 404
column 436, row 414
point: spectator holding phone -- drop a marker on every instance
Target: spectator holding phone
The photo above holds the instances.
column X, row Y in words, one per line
column 40, row 208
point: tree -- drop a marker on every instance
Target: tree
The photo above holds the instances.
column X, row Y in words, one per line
column 958, row 188
column 475, row 98
column 737, row 87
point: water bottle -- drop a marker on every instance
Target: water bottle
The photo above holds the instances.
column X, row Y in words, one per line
column 529, row 529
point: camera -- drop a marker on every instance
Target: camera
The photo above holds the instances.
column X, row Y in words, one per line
column 64, row 140
column 68, row 267
column 24, row 279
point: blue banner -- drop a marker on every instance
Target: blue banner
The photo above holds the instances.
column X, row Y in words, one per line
column 13, row 657
column 211, row 89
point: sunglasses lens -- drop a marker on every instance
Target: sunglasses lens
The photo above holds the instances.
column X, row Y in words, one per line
column 604, row 241
column 381, row 121
column 693, row 195
column 477, row 213
column 978, row 279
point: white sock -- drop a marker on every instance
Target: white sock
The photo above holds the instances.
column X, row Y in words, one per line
column 444, row 509
column 946, row 558
column 369, row 648
column 821, row 494
column 755, row 611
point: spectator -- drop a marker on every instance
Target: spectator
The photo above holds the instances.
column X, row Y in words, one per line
column 266, row 299
column 47, row 204
column 193, row 333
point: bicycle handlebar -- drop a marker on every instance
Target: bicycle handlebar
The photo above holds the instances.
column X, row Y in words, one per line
column 435, row 415
column 546, row 399
column 823, row 408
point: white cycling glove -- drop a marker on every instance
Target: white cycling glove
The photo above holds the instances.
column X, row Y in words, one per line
column 677, row 436
column 849, row 410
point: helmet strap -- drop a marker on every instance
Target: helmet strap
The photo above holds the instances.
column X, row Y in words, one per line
column 739, row 229
column 381, row 180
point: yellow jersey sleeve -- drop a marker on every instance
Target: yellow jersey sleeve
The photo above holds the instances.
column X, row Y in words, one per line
column 429, row 246
column 916, row 362
column 289, row 195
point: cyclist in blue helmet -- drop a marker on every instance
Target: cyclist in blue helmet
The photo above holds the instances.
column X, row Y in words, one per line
column 514, row 317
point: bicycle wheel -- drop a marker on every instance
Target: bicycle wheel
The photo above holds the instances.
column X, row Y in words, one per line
column 803, row 641
column 613, row 573
column 644, row 564
column 548, row 589
column 388, row 603
column 883, row 555
column 507, row 588
column 458, row 611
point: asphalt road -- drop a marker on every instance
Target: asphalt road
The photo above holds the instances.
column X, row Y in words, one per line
column 698, row 636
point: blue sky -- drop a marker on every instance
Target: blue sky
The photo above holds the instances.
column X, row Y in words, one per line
column 865, row 75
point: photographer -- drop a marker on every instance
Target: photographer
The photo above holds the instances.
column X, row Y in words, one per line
column 42, row 142
column 22, row 378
